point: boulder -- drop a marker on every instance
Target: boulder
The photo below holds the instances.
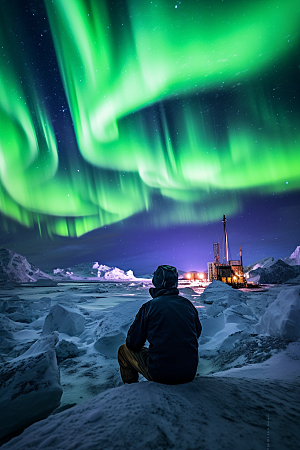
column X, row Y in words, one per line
column 65, row 320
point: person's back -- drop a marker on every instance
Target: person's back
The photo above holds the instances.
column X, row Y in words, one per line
column 172, row 336
column 171, row 325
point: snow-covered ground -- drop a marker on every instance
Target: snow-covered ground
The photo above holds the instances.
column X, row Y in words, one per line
column 246, row 390
column 60, row 378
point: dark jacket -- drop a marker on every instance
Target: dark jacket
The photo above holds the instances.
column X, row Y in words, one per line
column 171, row 325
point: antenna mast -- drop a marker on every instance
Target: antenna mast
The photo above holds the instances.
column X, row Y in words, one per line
column 226, row 238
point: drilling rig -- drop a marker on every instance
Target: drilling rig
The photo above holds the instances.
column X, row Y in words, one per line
column 228, row 271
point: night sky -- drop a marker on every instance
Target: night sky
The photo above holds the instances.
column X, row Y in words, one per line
column 128, row 128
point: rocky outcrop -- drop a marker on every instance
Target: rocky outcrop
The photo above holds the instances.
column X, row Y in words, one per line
column 279, row 272
column 15, row 268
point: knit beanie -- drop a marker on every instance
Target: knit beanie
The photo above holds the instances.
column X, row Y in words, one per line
column 165, row 277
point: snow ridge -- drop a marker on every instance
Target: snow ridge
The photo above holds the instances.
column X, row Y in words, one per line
column 262, row 263
column 93, row 271
column 294, row 259
column 279, row 272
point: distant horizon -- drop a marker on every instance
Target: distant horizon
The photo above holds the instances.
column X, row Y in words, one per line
column 136, row 272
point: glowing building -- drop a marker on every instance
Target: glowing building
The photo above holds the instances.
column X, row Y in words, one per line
column 229, row 271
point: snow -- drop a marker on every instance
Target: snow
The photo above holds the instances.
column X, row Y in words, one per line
column 246, row 388
column 225, row 317
column 281, row 366
column 14, row 268
column 262, row 263
column 30, row 386
column 46, row 283
column 19, row 310
column 113, row 273
column 112, row 329
column 265, row 263
column 65, row 320
column 268, row 271
column 8, row 327
column 94, row 271
column 282, row 317
column 208, row 413
column 294, row 258
column 214, row 291
column 67, row 349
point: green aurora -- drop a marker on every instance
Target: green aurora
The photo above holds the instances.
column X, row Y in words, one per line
column 115, row 69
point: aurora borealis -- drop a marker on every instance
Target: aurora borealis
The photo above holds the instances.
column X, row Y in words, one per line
column 151, row 116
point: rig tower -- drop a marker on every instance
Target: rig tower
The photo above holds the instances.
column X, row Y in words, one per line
column 230, row 272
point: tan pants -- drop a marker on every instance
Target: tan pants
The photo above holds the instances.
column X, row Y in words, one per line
column 132, row 363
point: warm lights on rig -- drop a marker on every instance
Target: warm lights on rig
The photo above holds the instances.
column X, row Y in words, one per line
column 194, row 276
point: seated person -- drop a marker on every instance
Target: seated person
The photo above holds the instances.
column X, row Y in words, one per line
column 171, row 325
